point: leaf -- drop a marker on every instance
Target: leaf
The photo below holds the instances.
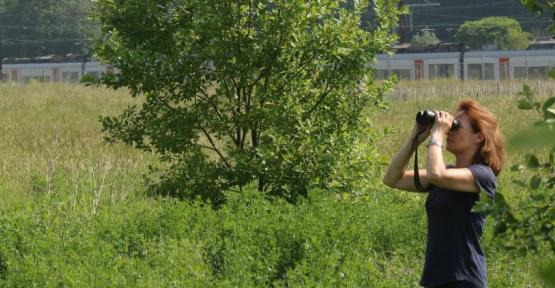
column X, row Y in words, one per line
column 548, row 274
column 525, row 104
column 517, row 167
column 526, row 91
column 535, row 182
column 547, row 104
column 500, row 228
column 485, row 205
column 500, row 199
column 532, row 161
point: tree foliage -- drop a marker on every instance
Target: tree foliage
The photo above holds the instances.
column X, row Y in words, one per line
column 37, row 27
column 532, row 225
column 423, row 39
column 540, row 5
column 269, row 92
column 537, row 226
column 505, row 32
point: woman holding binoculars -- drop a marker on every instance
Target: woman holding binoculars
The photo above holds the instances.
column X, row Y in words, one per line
column 454, row 256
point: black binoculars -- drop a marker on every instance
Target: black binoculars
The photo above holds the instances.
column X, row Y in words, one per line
column 428, row 117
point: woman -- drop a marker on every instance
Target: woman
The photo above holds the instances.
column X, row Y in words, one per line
column 454, row 257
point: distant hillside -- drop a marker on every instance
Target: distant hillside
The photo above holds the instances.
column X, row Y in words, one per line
column 450, row 14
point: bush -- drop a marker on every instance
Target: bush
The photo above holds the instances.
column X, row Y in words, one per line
column 424, row 39
column 272, row 92
column 502, row 31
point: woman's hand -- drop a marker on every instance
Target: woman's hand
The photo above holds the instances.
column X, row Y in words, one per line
column 442, row 124
column 417, row 128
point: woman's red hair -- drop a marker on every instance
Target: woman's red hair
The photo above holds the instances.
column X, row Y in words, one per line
column 492, row 151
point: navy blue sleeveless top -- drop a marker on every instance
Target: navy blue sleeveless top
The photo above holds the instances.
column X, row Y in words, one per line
column 453, row 251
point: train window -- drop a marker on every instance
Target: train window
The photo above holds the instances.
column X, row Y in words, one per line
column 441, row 71
column 402, row 74
column 382, row 74
column 432, row 71
column 475, row 71
column 488, row 71
column 520, row 72
column 483, row 71
column 4, row 76
column 74, row 76
column 537, row 72
column 95, row 75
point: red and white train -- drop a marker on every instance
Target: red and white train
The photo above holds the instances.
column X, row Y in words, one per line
column 479, row 65
column 52, row 71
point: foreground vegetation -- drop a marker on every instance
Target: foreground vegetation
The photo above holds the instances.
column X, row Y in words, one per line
column 74, row 212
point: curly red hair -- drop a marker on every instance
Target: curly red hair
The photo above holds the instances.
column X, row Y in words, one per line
column 492, row 151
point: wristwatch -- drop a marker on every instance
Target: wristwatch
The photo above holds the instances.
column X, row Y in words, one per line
column 435, row 142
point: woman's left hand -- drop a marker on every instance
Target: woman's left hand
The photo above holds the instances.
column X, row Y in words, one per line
column 442, row 124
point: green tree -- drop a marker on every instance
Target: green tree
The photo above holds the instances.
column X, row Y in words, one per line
column 539, row 223
column 36, row 27
column 271, row 92
column 502, row 31
column 540, row 5
column 423, row 39
column 530, row 226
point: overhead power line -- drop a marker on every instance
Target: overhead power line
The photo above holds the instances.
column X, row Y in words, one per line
column 471, row 5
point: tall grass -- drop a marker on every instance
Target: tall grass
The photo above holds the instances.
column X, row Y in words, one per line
column 73, row 212
column 51, row 143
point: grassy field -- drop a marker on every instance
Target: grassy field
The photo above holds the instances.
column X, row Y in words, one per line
column 74, row 213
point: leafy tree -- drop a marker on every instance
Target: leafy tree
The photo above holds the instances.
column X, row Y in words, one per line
column 423, row 39
column 502, row 31
column 538, row 223
column 540, row 5
column 37, row 27
column 528, row 227
column 271, row 92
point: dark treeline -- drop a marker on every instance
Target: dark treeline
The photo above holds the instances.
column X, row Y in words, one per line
column 31, row 28
column 446, row 18
column 40, row 27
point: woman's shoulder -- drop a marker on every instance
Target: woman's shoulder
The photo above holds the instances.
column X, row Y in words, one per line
column 482, row 168
column 484, row 178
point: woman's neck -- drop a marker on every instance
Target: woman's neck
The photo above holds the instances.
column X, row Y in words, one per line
column 465, row 158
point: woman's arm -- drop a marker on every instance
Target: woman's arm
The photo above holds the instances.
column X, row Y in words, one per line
column 396, row 176
column 459, row 179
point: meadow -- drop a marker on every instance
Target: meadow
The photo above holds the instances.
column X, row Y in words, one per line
column 74, row 212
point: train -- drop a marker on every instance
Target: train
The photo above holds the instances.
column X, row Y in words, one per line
column 463, row 65
column 471, row 65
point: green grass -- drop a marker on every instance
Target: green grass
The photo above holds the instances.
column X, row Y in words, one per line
column 74, row 213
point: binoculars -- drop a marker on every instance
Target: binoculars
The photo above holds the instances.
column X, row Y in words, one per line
column 428, row 117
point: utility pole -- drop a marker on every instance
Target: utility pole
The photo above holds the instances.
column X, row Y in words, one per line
column 411, row 6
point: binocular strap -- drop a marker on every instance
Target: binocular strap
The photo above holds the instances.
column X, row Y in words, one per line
column 417, row 182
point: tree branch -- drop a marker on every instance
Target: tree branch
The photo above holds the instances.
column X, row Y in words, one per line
column 226, row 87
column 215, row 148
column 325, row 93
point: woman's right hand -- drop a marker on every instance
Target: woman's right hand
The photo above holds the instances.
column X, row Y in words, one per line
column 417, row 128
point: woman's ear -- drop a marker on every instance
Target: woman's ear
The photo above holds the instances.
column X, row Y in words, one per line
column 480, row 138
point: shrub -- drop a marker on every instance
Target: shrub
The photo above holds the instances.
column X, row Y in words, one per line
column 272, row 92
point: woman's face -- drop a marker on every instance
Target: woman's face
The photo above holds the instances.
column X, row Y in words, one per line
column 464, row 137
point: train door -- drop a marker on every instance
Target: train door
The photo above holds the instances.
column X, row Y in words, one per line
column 504, row 71
column 56, row 75
column 418, row 69
column 15, row 75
